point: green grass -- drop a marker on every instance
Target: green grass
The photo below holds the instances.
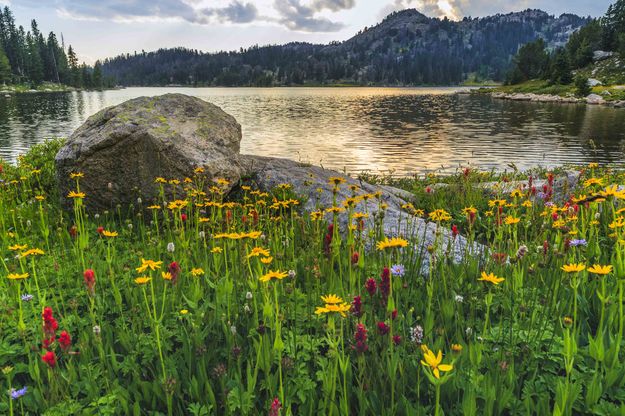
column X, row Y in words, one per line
column 212, row 337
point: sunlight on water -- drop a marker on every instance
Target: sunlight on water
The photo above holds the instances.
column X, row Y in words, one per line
column 404, row 130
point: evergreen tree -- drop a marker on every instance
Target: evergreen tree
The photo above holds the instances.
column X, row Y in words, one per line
column 33, row 60
column 97, row 76
column 530, row 62
column 581, row 86
column 5, row 68
column 614, row 26
column 560, row 72
column 74, row 70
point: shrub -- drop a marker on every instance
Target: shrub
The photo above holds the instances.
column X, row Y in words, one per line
column 582, row 88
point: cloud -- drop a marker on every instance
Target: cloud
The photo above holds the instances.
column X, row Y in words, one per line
column 133, row 10
column 236, row 12
column 298, row 16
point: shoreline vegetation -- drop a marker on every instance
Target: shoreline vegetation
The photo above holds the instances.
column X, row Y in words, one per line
column 206, row 304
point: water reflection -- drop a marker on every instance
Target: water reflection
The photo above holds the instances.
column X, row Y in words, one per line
column 378, row 129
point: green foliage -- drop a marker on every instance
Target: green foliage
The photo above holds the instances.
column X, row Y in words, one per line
column 531, row 62
column 41, row 157
column 582, row 88
column 33, row 58
column 5, row 67
column 613, row 26
column 407, row 48
column 560, row 68
column 206, row 343
column 582, row 43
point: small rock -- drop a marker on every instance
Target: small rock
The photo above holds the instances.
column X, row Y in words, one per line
column 595, row 99
column 601, row 55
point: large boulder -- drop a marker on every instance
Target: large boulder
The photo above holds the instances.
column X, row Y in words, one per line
column 122, row 149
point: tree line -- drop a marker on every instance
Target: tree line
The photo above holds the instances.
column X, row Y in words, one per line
column 28, row 57
column 407, row 48
column 534, row 61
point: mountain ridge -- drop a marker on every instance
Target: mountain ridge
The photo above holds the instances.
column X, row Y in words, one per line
column 405, row 48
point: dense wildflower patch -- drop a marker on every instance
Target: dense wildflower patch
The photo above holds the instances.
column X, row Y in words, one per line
column 203, row 305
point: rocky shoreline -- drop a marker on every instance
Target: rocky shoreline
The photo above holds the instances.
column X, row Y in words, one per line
column 592, row 99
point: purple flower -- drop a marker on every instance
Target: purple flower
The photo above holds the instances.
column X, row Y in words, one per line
column 27, row 298
column 16, row 394
column 575, row 243
column 398, row 270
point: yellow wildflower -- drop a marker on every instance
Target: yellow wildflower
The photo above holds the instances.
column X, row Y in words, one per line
column 273, row 275
column 433, row 362
column 439, row 215
column 391, row 243
column 76, row 195
column 573, row 267
column 17, row 276
column 599, row 269
column 257, row 251
column 149, row 264
column 491, row 278
column 197, row 272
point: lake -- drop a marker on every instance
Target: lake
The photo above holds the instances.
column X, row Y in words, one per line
column 382, row 130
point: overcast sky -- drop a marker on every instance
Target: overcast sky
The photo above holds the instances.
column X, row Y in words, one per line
column 102, row 28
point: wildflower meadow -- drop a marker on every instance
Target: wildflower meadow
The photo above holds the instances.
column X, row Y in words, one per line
column 203, row 303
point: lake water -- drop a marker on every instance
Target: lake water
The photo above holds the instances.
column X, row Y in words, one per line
column 399, row 130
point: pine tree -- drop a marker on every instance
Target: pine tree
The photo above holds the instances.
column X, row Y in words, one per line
column 560, row 72
column 33, row 60
column 97, row 76
column 75, row 74
column 5, row 68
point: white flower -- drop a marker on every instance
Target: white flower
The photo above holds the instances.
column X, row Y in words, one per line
column 171, row 247
column 139, row 200
column 202, row 234
column 246, row 309
column 248, row 295
column 459, row 298
column 96, row 216
column 233, row 329
column 468, row 331
column 292, row 273
column 96, row 329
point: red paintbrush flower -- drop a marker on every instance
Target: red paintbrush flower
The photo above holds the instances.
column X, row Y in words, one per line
column 371, row 286
column 49, row 358
column 65, row 341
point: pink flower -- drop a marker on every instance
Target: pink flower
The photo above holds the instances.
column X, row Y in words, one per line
column 65, row 341
column 371, row 286
column 383, row 328
column 89, row 277
column 360, row 336
column 275, row 407
column 357, row 306
column 49, row 358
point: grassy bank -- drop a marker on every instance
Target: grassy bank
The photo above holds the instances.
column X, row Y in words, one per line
column 43, row 87
column 203, row 305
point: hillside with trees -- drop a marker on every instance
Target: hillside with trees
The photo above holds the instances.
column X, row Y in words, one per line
column 596, row 50
column 406, row 48
column 29, row 57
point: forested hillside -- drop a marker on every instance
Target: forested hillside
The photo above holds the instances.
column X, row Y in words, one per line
column 406, row 48
column 27, row 56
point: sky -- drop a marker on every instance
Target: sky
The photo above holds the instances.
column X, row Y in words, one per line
column 104, row 28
